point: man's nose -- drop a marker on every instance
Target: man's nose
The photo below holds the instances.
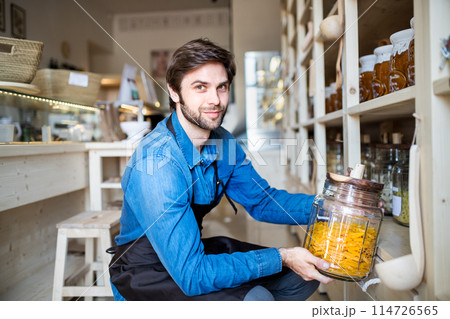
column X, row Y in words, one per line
column 213, row 97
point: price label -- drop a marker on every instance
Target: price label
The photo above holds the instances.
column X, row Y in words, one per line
column 78, row 79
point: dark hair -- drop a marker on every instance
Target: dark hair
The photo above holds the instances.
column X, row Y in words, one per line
column 193, row 55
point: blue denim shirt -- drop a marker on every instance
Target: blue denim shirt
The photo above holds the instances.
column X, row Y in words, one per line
column 159, row 184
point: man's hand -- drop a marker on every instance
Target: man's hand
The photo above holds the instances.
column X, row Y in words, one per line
column 303, row 263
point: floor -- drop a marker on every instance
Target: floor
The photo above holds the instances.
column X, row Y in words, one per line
column 221, row 221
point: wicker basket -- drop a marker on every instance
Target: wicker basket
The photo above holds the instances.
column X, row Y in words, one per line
column 19, row 59
column 69, row 86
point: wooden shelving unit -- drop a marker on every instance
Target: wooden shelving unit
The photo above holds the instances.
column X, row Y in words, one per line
column 429, row 99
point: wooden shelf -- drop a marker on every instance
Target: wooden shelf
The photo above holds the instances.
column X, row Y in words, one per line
column 332, row 119
column 333, row 10
column 306, row 56
column 111, row 183
column 293, row 41
column 388, row 17
column 293, row 8
column 442, row 86
column 308, row 123
column 394, row 240
column 391, row 106
column 306, row 14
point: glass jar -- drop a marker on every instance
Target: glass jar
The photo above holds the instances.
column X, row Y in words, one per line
column 367, row 67
column 333, row 97
column 380, row 81
column 311, row 107
column 400, row 193
column 338, row 105
column 399, row 59
column 328, row 108
column 411, row 72
column 367, row 156
column 385, row 159
column 335, row 159
column 344, row 225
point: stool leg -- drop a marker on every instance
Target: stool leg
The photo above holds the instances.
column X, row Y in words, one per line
column 60, row 262
column 105, row 238
column 89, row 259
column 99, row 256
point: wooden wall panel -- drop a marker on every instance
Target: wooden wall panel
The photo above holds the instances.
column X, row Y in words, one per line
column 28, row 236
column 26, row 179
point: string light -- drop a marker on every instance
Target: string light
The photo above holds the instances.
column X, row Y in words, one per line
column 54, row 103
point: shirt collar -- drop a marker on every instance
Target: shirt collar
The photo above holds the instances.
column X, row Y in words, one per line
column 191, row 154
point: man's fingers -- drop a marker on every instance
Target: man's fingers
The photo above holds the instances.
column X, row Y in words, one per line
column 321, row 264
column 323, row 279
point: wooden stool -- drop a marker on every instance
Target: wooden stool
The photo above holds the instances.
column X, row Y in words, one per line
column 90, row 225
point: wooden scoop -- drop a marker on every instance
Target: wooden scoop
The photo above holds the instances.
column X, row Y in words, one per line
column 332, row 27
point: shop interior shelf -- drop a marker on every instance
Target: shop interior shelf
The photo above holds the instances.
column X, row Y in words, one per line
column 394, row 105
column 394, row 240
column 442, row 86
column 111, row 183
column 306, row 56
column 332, row 119
column 306, row 14
column 33, row 102
column 308, row 123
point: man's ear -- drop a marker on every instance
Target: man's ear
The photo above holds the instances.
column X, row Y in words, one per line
column 173, row 95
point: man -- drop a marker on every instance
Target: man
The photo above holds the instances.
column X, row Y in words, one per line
column 179, row 172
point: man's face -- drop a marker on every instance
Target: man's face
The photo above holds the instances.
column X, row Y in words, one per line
column 204, row 95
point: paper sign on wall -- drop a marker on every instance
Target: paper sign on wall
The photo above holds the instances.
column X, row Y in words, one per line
column 78, row 79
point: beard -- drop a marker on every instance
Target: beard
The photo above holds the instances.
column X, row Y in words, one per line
column 197, row 119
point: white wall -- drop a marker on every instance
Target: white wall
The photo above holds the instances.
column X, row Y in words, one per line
column 55, row 21
column 136, row 36
column 256, row 27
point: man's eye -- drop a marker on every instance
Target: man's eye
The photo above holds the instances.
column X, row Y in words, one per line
column 223, row 87
column 200, row 87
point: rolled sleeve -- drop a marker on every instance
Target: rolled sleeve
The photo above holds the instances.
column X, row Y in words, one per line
column 269, row 261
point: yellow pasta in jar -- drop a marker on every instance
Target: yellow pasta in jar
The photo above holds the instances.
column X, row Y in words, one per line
column 348, row 247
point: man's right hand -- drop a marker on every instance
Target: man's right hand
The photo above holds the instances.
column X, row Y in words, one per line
column 303, row 263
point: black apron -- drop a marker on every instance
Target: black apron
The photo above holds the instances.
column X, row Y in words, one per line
column 138, row 274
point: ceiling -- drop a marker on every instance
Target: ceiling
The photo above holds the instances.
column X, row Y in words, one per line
column 137, row 6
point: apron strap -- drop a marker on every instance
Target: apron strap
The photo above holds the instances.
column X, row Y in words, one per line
column 216, row 173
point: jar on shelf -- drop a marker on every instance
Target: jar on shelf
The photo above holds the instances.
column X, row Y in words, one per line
column 328, row 108
column 385, row 159
column 411, row 72
column 333, row 97
column 367, row 156
column 400, row 192
column 399, row 59
column 335, row 158
column 311, row 107
column 344, row 226
column 367, row 68
column 380, row 81
column 338, row 105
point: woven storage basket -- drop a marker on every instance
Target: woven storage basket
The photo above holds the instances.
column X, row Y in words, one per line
column 19, row 59
column 54, row 84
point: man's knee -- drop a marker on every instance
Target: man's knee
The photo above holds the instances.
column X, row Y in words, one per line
column 259, row 293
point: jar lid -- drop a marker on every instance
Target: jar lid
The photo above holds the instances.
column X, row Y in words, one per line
column 383, row 53
column 400, row 36
column 332, row 86
column 361, row 183
column 367, row 62
column 365, row 138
